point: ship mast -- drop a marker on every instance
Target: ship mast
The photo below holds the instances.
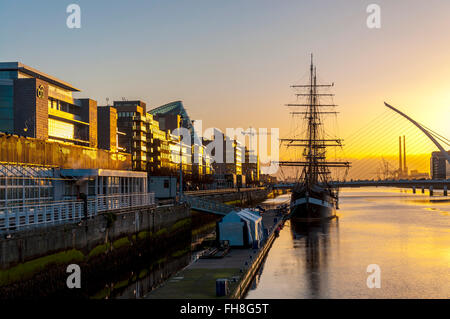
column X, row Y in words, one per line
column 315, row 166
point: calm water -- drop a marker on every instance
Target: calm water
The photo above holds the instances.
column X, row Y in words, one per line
column 407, row 235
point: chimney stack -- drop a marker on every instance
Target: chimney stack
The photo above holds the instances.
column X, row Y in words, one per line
column 400, row 168
column 405, row 169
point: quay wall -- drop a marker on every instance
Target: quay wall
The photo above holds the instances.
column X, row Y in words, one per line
column 247, row 198
column 241, row 289
column 34, row 261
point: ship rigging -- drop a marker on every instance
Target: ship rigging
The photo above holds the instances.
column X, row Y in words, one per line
column 312, row 197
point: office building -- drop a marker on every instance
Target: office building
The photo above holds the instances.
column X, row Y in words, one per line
column 168, row 116
column 159, row 160
column 181, row 153
column 439, row 167
column 228, row 169
column 35, row 104
column 108, row 134
column 28, row 185
column 250, row 167
column 171, row 116
column 131, row 120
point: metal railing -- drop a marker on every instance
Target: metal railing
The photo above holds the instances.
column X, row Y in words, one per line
column 18, row 217
column 110, row 202
column 222, row 190
column 241, row 289
column 208, row 205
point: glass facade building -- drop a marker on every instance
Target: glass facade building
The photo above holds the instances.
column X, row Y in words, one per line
column 6, row 105
column 35, row 104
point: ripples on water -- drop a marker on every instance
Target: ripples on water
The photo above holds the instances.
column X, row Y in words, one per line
column 407, row 235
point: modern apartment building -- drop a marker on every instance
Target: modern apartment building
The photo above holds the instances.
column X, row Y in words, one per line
column 159, row 161
column 35, row 104
column 439, row 167
column 181, row 152
column 233, row 156
column 154, row 148
column 108, row 134
column 168, row 116
column 131, row 120
column 250, row 167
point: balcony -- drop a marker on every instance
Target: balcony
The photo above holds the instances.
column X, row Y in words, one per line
column 140, row 128
column 139, row 118
column 58, row 114
column 140, row 157
column 140, row 138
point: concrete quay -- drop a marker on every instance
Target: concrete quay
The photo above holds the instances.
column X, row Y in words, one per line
column 198, row 280
column 33, row 262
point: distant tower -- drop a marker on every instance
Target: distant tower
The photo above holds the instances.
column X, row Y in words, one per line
column 405, row 169
column 400, row 168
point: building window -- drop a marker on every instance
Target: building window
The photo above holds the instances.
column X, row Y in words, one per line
column 6, row 109
column 60, row 129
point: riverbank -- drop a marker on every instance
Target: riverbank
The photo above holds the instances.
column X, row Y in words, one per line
column 239, row 266
column 34, row 262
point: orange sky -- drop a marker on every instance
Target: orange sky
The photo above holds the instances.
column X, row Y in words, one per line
column 232, row 62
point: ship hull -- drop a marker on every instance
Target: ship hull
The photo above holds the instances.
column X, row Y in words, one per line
column 312, row 208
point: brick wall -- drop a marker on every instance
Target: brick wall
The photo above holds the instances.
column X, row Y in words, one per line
column 42, row 111
column 89, row 115
column 107, row 127
column 30, row 111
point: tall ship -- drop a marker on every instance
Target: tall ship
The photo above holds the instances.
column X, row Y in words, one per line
column 314, row 198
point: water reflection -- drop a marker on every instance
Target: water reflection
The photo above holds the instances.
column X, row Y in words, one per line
column 137, row 284
column 314, row 239
column 407, row 236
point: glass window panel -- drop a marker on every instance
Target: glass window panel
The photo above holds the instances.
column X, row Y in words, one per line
column 6, row 101
column 60, row 129
column 6, row 114
column 8, row 74
column 6, row 91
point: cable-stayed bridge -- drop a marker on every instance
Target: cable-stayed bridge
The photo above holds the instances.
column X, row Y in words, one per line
column 378, row 166
column 429, row 184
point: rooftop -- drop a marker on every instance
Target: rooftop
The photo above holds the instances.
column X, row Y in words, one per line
column 17, row 66
column 174, row 108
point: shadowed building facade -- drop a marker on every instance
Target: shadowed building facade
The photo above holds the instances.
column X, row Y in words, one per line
column 107, row 128
column 439, row 167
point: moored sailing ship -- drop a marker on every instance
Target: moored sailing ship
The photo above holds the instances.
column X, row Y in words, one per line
column 313, row 196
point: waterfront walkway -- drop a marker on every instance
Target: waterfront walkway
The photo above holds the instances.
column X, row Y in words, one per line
column 198, row 280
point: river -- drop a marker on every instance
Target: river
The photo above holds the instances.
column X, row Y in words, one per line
column 407, row 235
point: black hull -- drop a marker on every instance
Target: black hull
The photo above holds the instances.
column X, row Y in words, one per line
column 310, row 212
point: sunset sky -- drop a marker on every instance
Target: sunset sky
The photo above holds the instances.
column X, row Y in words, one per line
column 232, row 62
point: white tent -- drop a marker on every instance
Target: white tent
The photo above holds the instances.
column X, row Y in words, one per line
column 232, row 227
column 254, row 225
